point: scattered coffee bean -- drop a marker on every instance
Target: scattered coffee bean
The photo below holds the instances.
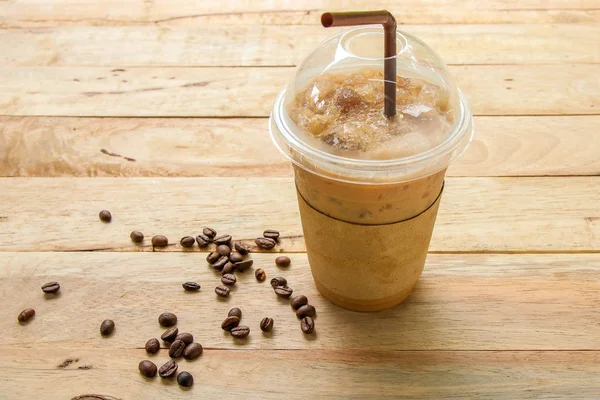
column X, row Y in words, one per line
column 299, row 301
column 228, row 279
column 136, row 236
column 278, row 281
column 159, row 241
column 222, row 291
column 240, row 331
column 229, row 268
column 191, row 286
column 235, row 257
column 187, row 241
column 265, row 243
column 306, row 311
column 241, row 248
column 209, row 232
column 168, row 369
column 212, row 258
column 192, row 351
column 105, row 216
column 223, row 250
column 271, row 234
column 176, row 349
column 307, row 325
column 147, row 368
column 266, row 325
column 243, row 265
column 170, row 334
column 51, row 287
column 186, row 338
column 260, row 275
column 223, row 239
column 107, row 327
column 185, row 379
column 152, row 346
column 220, row 263
column 230, row 323
column 26, row 314
column 203, row 240
column 283, row 291
column 283, row 261
column 167, row 319
column 235, row 312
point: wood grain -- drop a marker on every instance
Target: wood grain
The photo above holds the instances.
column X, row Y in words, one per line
column 187, row 147
column 491, row 214
column 462, row 302
column 183, row 46
column 286, row 12
column 322, row 374
column 249, row 92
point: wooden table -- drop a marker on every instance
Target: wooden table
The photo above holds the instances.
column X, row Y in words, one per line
column 508, row 305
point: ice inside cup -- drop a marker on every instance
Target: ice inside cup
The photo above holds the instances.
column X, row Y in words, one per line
column 369, row 186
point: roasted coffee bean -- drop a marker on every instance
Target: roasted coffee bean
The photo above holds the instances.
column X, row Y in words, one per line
column 243, row 265
column 278, row 281
column 220, row 263
column 299, row 301
column 307, row 325
column 176, row 349
column 230, row 323
column 105, row 216
column 241, row 248
column 228, row 279
column 152, row 346
column 260, row 275
column 212, row 258
column 26, row 314
column 167, row 319
column 168, row 369
column 271, row 234
column 209, row 232
column 203, row 240
column 240, row 331
column 107, row 327
column 223, row 239
column 265, row 243
column 266, row 325
column 283, row 291
column 170, row 334
column 235, row 312
column 186, row 338
column 283, row 261
column 147, row 368
column 306, row 311
column 229, row 268
column 185, row 379
column 187, row 241
column 223, row 250
column 191, row 286
column 235, row 257
column 51, row 287
column 136, row 236
column 192, row 351
column 222, row 291
column 159, row 241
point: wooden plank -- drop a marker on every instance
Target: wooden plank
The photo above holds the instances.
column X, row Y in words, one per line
column 25, row 13
column 184, row 46
column 462, row 302
column 185, row 147
column 249, row 92
column 491, row 214
column 308, row 374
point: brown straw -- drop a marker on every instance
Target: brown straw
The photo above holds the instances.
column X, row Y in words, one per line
column 388, row 21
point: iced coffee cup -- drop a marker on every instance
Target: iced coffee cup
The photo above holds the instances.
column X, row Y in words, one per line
column 369, row 184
